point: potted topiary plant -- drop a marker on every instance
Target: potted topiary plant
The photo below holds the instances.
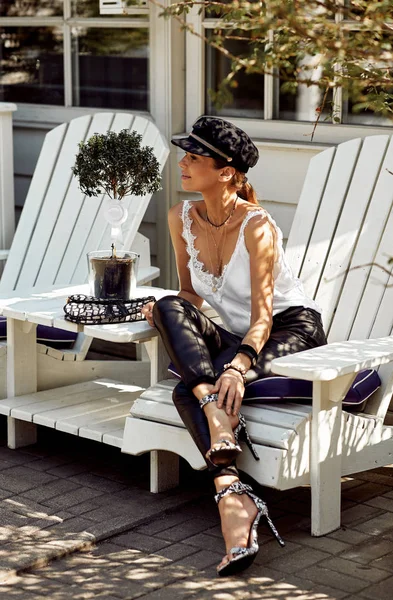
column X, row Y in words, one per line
column 118, row 165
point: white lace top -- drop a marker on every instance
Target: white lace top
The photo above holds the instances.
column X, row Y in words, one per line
column 230, row 293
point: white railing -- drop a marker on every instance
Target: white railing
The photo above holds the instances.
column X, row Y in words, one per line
column 7, row 205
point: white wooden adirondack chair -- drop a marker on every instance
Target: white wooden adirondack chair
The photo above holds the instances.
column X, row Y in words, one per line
column 344, row 220
column 58, row 226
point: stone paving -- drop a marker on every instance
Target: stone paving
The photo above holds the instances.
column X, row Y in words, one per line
column 77, row 521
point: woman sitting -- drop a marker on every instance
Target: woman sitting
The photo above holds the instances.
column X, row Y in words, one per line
column 228, row 252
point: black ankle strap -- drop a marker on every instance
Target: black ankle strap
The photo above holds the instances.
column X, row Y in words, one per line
column 237, row 487
column 226, row 470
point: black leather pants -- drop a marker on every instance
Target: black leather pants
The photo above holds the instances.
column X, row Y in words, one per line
column 199, row 348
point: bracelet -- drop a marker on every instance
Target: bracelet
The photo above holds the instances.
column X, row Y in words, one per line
column 239, row 369
column 250, row 352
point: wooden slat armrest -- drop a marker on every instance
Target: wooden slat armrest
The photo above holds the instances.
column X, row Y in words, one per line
column 4, row 254
column 147, row 274
column 334, row 360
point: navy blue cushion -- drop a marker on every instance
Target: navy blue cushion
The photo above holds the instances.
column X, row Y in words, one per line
column 271, row 389
column 50, row 336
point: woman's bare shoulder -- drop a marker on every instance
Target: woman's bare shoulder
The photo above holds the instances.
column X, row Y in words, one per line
column 175, row 213
column 259, row 229
column 177, row 209
column 256, row 216
column 174, row 216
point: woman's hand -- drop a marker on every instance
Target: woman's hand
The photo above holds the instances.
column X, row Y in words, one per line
column 147, row 311
column 230, row 389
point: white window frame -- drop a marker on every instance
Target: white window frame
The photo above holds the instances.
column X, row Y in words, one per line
column 119, row 7
column 266, row 127
column 67, row 23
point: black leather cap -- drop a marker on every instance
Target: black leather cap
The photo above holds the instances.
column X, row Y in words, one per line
column 217, row 138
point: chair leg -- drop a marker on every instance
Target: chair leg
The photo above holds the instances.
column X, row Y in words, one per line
column 159, row 360
column 164, row 471
column 21, row 377
column 325, row 459
column 20, row 433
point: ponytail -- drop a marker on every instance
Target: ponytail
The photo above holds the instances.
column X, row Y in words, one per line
column 244, row 189
column 247, row 192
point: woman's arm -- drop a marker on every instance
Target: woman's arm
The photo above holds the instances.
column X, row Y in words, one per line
column 179, row 246
column 260, row 238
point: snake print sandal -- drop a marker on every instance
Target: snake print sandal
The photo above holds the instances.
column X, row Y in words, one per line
column 242, row 558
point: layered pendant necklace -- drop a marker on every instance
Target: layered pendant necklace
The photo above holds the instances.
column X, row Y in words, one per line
column 216, row 268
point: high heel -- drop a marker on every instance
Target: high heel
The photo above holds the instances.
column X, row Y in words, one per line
column 242, row 558
column 240, row 432
column 224, row 452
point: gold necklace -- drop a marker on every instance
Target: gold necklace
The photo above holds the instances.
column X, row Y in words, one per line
column 219, row 253
column 210, row 256
column 216, row 272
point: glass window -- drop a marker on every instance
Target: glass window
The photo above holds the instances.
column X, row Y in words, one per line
column 31, row 8
column 302, row 102
column 108, row 61
column 353, row 9
column 356, row 110
column 85, row 8
column 216, row 10
column 359, row 100
column 31, row 65
column 248, row 93
column 110, row 67
column 284, row 99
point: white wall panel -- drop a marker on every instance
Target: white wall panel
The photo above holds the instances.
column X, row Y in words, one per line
column 27, row 146
column 22, row 183
column 280, row 172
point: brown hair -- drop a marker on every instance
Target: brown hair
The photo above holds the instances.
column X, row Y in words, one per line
column 240, row 182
